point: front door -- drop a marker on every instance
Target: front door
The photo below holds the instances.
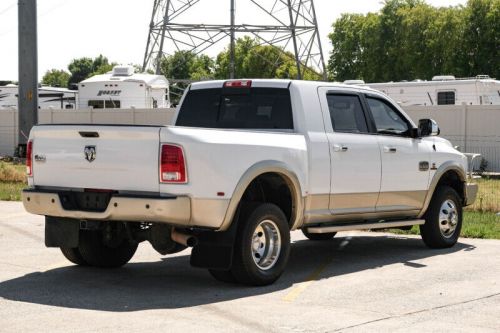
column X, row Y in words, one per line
column 405, row 160
column 354, row 153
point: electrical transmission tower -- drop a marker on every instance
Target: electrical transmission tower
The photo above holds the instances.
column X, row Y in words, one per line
column 290, row 25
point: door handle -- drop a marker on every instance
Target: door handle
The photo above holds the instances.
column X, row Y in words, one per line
column 340, row 148
column 390, row 149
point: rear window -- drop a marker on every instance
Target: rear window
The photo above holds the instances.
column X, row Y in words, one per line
column 237, row 108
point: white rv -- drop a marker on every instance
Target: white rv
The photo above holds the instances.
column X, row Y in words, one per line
column 442, row 90
column 48, row 97
column 122, row 88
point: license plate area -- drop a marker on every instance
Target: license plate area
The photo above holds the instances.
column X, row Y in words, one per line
column 85, row 201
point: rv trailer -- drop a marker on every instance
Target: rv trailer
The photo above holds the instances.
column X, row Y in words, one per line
column 48, row 97
column 442, row 90
column 122, row 89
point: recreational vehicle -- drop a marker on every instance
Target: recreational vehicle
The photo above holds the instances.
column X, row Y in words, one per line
column 48, row 97
column 122, row 88
column 442, row 90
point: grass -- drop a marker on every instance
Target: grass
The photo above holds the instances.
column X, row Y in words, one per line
column 12, row 181
column 475, row 225
column 488, row 196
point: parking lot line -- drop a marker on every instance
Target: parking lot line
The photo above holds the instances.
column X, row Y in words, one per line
column 300, row 287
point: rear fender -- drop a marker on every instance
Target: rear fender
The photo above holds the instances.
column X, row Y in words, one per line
column 257, row 170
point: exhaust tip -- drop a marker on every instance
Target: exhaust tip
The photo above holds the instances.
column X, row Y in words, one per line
column 184, row 239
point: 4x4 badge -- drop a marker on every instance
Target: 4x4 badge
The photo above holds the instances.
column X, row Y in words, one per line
column 90, row 153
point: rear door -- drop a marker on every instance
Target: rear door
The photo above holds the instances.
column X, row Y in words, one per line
column 354, row 153
column 96, row 157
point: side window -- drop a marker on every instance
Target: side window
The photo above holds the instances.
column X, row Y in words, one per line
column 387, row 119
column 346, row 113
column 446, row 98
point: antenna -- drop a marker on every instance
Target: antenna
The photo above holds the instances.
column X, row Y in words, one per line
column 290, row 25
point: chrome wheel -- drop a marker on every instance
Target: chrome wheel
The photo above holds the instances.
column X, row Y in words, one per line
column 448, row 218
column 266, row 244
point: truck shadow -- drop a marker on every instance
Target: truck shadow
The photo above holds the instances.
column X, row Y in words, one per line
column 171, row 283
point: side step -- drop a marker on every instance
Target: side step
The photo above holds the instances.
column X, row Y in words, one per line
column 363, row 226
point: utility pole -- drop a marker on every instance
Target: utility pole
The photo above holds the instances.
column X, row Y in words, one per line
column 28, row 72
column 231, row 60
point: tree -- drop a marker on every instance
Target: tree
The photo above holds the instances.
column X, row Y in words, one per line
column 56, row 78
column 253, row 60
column 80, row 69
column 346, row 58
column 185, row 65
column 409, row 39
column 83, row 68
column 482, row 37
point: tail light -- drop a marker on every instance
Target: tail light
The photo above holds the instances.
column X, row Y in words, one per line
column 238, row 84
column 172, row 165
column 29, row 158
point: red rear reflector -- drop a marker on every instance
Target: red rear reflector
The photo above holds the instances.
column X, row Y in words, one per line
column 172, row 165
column 29, row 158
column 238, row 84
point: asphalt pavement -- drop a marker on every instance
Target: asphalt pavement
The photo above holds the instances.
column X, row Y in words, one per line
column 357, row 282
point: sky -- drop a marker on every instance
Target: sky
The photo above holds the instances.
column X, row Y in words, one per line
column 118, row 29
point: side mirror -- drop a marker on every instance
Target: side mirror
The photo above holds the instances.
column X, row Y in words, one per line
column 428, row 127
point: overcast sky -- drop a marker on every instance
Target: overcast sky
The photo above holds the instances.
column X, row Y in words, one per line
column 118, row 29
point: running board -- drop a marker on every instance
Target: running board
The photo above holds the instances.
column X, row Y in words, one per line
column 365, row 226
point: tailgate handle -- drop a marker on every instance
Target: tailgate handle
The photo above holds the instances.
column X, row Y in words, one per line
column 89, row 134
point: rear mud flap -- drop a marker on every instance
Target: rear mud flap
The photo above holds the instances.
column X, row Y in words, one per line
column 215, row 249
column 61, row 232
column 213, row 256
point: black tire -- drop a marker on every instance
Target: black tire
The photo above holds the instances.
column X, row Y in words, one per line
column 73, row 255
column 319, row 237
column 439, row 232
column 96, row 253
column 245, row 270
column 224, row 276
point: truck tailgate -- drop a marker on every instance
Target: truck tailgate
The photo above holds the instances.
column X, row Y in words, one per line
column 126, row 157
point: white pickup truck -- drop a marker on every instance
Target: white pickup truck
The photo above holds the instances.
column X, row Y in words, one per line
column 247, row 162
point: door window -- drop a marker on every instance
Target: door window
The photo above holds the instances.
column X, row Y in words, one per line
column 387, row 119
column 346, row 113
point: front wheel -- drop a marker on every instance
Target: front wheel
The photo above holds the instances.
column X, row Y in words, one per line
column 443, row 219
column 262, row 246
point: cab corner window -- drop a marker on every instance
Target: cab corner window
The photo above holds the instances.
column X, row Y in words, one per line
column 387, row 119
column 346, row 113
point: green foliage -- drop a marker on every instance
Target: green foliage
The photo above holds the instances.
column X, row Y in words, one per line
column 187, row 65
column 409, row 39
column 56, row 78
column 253, row 60
column 11, row 191
column 83, row 68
